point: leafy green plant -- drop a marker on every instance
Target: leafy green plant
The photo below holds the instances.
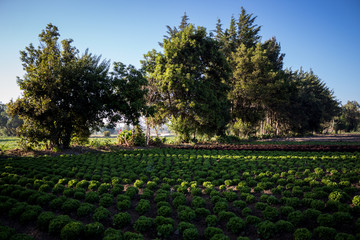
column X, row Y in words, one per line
column 143, row 224
column 85, row 209
column 93, row 230
column 143, row 206
column 266, row 229
column 211, row 231
column 235, row 225
column 164, row 230
column 44, row 219
column 324, row 233
column 122, row 219
column 72, row 231
column 101, row 214
column 58, row 223
column 190, row 234
column 302, row 234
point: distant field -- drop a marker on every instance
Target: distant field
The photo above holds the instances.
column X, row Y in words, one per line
column 8, row 143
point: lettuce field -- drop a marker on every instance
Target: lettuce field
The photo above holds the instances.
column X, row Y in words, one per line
column 186, row 194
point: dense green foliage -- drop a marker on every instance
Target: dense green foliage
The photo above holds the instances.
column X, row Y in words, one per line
column 190, row 79
column 153, row 192
column 8, row 124
column 65, row 94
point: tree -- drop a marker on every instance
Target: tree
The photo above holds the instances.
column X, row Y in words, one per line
column 349, row 119
column 311, row 103
column 191, row 77
column 64, row 94
column 8, row 124
column 129, row 93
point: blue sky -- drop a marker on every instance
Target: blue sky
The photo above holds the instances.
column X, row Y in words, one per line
column 322, row 34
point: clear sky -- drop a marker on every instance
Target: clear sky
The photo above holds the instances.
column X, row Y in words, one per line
column 322, row 34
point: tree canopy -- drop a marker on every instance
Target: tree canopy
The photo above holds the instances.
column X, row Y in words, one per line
column 66, row 94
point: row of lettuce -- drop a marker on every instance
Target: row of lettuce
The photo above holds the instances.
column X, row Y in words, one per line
column 184, row 194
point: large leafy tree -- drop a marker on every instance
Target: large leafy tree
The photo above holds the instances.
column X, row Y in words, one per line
column 64, row 93
column 349, row 119
column 191, row 81
column 311, row 103
column 8, row 124
column 129, row 91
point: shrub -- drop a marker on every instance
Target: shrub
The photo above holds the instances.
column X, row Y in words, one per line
column 104, row 188
column 220, row 206
column 266, row 229
column 6, row 232
column 302, row 234
column 143, row 206
column 342, row 218
column 235, row 225
column 139, row 183
column 94, row 230
column 44, row 219
column 165, row 230
column 311, row 214
column 58, row 188
column 123, row 205
column 178, row 201
column 143, row 224
column 92, row 197
column 131, row 192
column 186, row 215
column 318, row 205
column 198, row 202
column 17, row 210
column 190, row 234
column 243, row 238
column 101, row 214
column 270, row 213
column 112, row 234
column 133, row 236
column 252, row 220
column 285, row 210
column 211, row 220
column 284, row 226
column 58, row 223
column 272, row 200
column 211, row 231
column 324, row 233
column 79, row 195
column 72, row 231
column 21, row 236
column 106, row 200
column 344, row 236
column 325, row 220
column 239, row 204
column 230, row 196
column 260, row 206
column 57, row 203
column 160, row 220
column 182, row 226
column 246, row 211
column 337, row 196
column 202, row 212
column 122, row 219
column 70, row 205
column 106, row 133
column 220, row 236
column 30, row 214
column 356, row 200
column 164, row 211
column 224, row 216
column 85, row 209
column 296, row 218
